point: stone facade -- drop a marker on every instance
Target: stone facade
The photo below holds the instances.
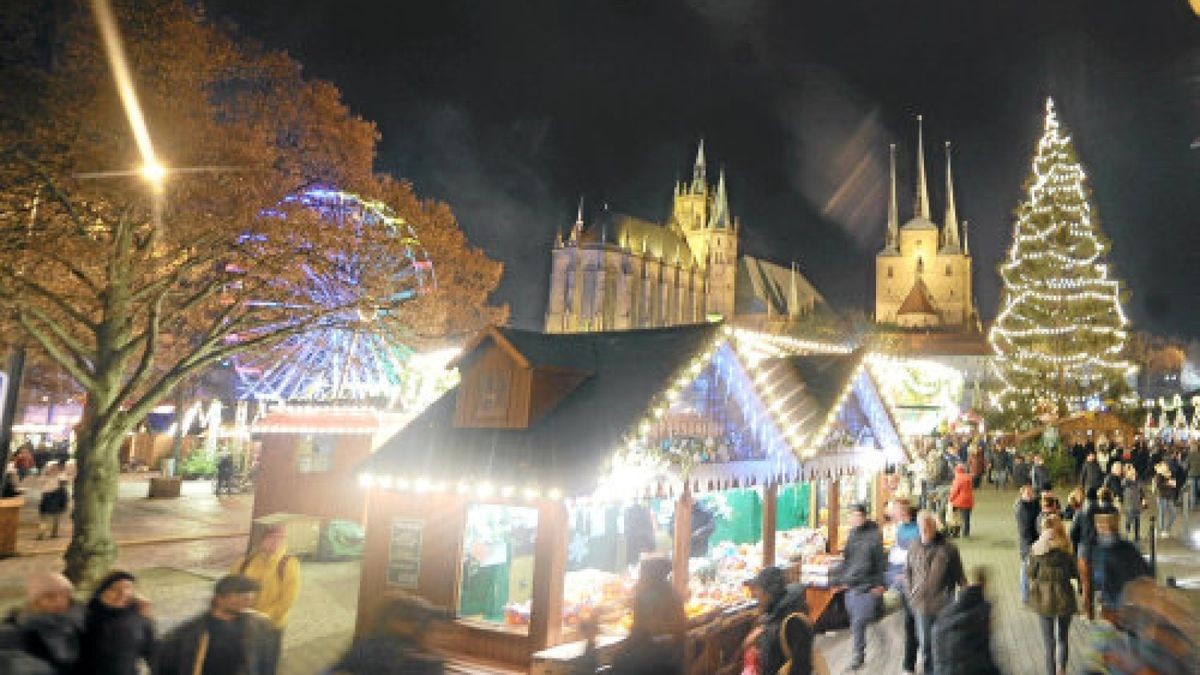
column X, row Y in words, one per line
column 923, row 276
column 622, row 272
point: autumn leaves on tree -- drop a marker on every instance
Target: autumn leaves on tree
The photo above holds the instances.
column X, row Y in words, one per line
column 132, row 288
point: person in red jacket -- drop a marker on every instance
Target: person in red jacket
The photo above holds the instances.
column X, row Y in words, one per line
column 962, row 497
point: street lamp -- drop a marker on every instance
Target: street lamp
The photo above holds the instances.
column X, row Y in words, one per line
column 154, row 173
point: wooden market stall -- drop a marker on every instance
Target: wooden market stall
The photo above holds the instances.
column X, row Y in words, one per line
column 525, row 497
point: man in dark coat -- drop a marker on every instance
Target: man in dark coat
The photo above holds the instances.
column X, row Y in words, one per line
column 229, row 639
column 962, row 634
column 1083, row 537
column 396, row 645
column 117, row 634
column 862, row 574
column 1026, row 510
column 1040, row 473
column 1116, row 561
column 1091, row 476
column 778, row 601
column 934, row 571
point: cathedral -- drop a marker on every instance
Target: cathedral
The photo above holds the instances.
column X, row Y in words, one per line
column 923, row 274
column 622, row 272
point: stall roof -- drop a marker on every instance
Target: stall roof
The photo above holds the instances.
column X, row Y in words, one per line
column 567, row 447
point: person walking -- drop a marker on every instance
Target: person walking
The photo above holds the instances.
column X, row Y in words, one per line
column 934, row 571
column 278, row 575
column 1167, row 491
column 396, row 646
column 1041, row 474
column 1026, row 510
column 1022, row 475
column 228, row 639
column 1113, row 479
column 962, row 634
column 1133, row 500
column 1083, row 538
column 1193, row 472
column 1091, row 476
column 1116, row 561
column 49, row 625
column 862, row 575
column 784, row 632
column 117, row 631
column 53, row 502
column 656, row 638
column 1051, row 596
column 907, row 533
column 962, row 497
column 976, row 466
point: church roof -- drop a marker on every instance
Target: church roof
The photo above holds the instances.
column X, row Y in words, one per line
column 919, row 223
column 761, row 284
column 630, row 232
column 917, row 301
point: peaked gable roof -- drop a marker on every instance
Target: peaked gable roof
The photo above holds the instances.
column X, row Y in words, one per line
column 917, row 301
column 567, row 447
column 761, row 284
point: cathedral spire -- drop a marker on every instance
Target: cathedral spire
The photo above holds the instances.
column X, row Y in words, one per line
column 699, row 183
column 793, row 295
column 966, row 244
column 921, row 208
column 720, row 214
column 893, row 216
column 577, row 228
column 950, row 227
column 579, row 213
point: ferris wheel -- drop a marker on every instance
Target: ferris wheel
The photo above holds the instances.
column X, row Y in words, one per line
column 340, row 364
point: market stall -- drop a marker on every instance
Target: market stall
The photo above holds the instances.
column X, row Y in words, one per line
column 527, row 497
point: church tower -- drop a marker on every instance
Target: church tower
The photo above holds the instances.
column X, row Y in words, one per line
column 923, row 273
column 702, row 217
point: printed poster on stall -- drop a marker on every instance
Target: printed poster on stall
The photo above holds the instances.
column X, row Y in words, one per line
column 404, row 553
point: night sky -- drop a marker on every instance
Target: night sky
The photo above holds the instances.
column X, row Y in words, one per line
column 510, row 110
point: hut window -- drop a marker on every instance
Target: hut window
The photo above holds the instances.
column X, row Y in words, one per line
column 314, row 454
column 497, row 564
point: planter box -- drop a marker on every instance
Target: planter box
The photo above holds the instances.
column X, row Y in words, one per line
column 10, row 518
column 164, row 487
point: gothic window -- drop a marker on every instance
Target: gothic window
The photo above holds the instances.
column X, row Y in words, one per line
column 889, row 271
column 948, row 273
column 920, row 265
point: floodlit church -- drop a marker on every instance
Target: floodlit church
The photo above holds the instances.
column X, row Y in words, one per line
column 923, row 273
column 620, row 272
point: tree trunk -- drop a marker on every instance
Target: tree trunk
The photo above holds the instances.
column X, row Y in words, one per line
column 93, row 549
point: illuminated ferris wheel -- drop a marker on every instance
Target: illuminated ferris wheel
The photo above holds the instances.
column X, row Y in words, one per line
column 341, row 364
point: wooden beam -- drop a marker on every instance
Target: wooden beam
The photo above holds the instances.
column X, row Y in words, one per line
column 682, row 543
column 549, row 570
column 770, row 508
column 834, row 507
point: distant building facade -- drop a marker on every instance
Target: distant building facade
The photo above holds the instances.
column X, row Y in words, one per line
column 923, row 276
column 622, row 272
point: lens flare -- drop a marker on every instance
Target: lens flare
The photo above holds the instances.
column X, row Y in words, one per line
column 151, row 170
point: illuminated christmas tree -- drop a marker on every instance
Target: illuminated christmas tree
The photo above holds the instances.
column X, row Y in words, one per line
column 1060, row 336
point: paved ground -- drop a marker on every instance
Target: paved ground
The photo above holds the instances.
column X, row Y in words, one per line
column 1016, row 635
column 179, row 547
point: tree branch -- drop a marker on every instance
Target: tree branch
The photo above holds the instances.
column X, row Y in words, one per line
column 67, row 361
column 56, row 299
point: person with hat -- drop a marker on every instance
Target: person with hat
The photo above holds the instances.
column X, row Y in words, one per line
column 47, row 627
column 784, row 632
column 117, row 630
column 278, row 574
column 862, row 575
column 397, row 642
column 228, row 639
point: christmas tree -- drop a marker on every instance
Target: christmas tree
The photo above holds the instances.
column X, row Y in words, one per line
column 1060, row 335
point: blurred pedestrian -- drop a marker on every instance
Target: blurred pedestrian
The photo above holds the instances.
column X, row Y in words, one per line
column 1133, row 500
column 1168, row 491
column 1116, row 562
column 976, row 465
column 1113, row 479
column 228, row 639
column 278, row 574
column 962, row 633
column 49, row 625
column 1051, row 596
column 784, row 632
column 934, row 572
column 962, row 497
column 1074, row 504
column 1041, row 474
column 117, row 631
column 396, row 646
column 657, row 636
column 53, row 502
column 907, row 533
column 863, row 575
column 1026, row 510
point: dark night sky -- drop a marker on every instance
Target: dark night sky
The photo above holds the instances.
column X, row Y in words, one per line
column 511, row 109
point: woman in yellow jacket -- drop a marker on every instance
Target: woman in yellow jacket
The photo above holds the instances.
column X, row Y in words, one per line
column 279, row 576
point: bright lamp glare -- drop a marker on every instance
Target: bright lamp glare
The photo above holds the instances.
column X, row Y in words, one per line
column 153, row 172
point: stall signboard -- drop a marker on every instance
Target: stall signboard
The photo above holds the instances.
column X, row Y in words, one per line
column 404, row 553
column 923, row 393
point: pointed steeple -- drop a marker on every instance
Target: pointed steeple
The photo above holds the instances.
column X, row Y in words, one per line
column 579, row 213
column 893, row 216
column 720, row 214
column 793, row 295
column 699, row 181
column 921, row 207
column 966, row 242
column 558, row 240
column 577, row 228
column 950, row 227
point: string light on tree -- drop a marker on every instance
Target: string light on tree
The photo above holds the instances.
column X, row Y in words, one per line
column 1060, row 335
